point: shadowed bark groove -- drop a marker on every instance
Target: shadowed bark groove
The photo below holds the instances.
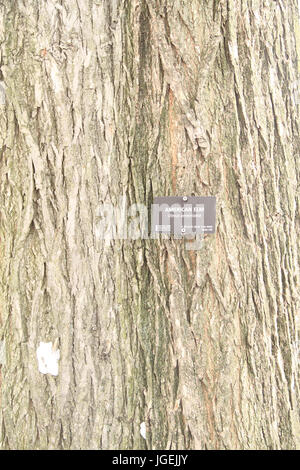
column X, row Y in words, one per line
column 149, row 98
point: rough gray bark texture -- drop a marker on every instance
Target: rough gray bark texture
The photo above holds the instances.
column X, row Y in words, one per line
column 149, row 98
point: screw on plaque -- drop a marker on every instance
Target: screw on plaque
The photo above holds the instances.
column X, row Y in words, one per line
column 185, row 198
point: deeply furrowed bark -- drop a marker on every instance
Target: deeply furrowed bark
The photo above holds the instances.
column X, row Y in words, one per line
column 149, row 98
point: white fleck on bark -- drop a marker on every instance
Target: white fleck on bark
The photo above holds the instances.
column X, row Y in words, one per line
column 143, row 430
column 48, row 358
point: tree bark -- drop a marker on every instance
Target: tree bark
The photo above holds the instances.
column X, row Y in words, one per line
column 143, row 99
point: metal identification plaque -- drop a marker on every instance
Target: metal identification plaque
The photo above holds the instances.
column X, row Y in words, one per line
column 184, row 215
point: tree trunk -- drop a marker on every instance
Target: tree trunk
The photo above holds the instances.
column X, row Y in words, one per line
column 149, row 98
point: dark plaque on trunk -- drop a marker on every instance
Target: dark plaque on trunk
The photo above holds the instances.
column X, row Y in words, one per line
column 184, row 215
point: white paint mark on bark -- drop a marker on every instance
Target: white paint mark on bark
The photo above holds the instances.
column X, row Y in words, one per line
column 47, row 358
column 143, row 429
